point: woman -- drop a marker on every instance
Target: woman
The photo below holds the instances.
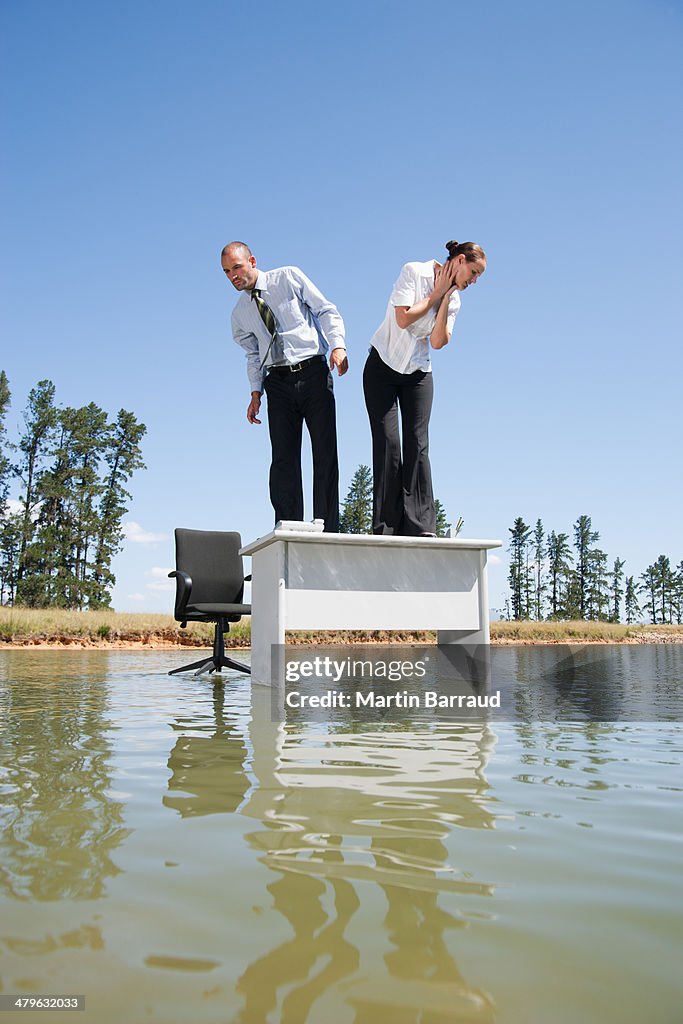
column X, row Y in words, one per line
column 421, row 312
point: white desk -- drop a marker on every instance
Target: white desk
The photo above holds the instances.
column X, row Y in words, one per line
column 303, row 578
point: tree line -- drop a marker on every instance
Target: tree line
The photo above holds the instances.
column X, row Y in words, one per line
column 72, row 467
column 355, row 513
column 553, row 578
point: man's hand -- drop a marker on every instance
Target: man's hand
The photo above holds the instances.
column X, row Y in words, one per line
column 254, row 407
column 339, row 359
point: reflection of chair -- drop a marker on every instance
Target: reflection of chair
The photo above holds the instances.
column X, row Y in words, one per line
column 207, row 763
column 209, row 586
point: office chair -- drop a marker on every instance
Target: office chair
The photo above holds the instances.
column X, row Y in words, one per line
column 209, row 579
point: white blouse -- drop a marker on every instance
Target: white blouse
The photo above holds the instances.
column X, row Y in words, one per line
column 407, row 349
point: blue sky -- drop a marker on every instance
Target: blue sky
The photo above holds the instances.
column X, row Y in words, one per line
column 348, row 139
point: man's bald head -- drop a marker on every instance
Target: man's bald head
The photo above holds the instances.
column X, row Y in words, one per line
column 239, row 265
column 240, row 247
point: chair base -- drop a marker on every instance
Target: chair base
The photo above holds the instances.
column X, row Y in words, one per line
column 218, row 660
column 209, row 665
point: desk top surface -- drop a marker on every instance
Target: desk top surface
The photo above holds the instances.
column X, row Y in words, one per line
column 316, row 536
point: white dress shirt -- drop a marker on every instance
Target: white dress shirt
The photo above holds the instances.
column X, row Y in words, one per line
column 307, row 324
column 407, row 349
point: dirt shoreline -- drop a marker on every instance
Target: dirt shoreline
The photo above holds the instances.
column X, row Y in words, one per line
column 159, row 644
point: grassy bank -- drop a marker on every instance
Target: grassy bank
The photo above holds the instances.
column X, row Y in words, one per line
column 583, row 632
column 53, row 626
column 56, row 626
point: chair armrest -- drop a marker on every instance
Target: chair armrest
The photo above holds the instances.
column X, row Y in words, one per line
column 183, row 591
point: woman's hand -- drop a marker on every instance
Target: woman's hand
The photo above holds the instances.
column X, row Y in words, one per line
column 444, row 279
column 443, row 286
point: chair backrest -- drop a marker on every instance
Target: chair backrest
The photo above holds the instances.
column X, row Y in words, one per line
column 213, row 561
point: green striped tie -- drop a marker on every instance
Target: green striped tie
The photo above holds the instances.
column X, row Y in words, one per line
column 269, row 320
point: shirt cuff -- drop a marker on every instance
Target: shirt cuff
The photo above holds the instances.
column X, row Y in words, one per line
column 256, row 385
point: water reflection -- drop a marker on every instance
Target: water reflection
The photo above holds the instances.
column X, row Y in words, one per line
column 209, row 770
column 316, row 956
column 544, row 683
column 339, row 809
column 600, row 683
column 352, row 806
column 386, row 871
column 60, row 823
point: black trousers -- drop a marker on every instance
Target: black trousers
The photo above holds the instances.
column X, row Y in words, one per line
column 403, row 500
column 306, row 396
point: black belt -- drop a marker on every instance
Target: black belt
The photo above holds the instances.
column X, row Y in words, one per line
column 284, row 371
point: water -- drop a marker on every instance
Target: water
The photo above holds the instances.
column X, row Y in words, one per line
column 173, row 854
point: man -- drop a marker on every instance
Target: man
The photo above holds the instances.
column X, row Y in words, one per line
column 287, row 328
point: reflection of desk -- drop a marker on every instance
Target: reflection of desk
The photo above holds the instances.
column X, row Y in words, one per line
column 342, row 811
column 306, row 579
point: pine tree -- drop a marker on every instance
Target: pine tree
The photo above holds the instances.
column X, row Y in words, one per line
column 665, row 588
column 47, row 555
column 68, row 518
column 356, row 513
column 597, row 591
column 74, row 468
column 91, row 435
column 5, row 467
column 123, row 457
column 559, row 571
column 649, row 578
column 442, row 524
column 10, row 539
column 678, row 593
column 540, row 585
column 631, row 606
column 40, row 418
column 616, row 578
column 7, row 565
column 518, row 575
column 572, row 597
column 661, row 584
column 584, row 538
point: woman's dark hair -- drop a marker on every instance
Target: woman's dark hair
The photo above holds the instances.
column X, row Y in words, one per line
column 470, row 250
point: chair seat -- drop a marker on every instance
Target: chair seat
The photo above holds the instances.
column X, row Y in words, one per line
column 217, row 609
